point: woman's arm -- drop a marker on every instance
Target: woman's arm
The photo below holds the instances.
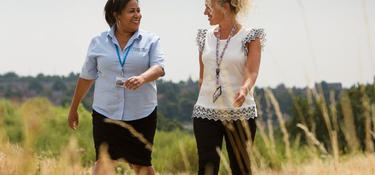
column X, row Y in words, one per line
column 251, row 71
column 201, row 70
column 151, row 74
column 80, row 92
column 155, row 70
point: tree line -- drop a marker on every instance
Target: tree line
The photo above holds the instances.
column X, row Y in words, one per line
column 176, row 99
column 307, row 106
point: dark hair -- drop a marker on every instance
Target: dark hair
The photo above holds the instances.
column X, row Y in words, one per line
column 111, row 7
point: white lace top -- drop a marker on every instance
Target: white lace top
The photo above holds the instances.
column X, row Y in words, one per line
column 231, row 76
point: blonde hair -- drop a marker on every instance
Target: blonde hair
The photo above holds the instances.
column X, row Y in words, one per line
column 236, row 6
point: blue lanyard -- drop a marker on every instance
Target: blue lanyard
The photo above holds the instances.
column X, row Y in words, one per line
column 125, row 56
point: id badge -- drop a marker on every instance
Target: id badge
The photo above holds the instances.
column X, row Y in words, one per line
column 120, row 82
column 217, row 94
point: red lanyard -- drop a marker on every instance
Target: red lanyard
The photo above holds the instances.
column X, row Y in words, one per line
column 220, row 59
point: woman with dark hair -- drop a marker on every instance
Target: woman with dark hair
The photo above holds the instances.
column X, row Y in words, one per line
column 124, row 63
column 229, row 57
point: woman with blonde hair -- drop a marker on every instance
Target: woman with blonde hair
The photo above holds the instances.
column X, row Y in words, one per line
column 229, row 58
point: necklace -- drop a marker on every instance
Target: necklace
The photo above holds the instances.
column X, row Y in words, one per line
column 219, row 60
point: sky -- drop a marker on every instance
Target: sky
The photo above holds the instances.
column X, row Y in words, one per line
column 307, row 41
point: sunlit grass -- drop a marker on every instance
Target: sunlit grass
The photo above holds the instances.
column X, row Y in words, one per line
column 35, row 139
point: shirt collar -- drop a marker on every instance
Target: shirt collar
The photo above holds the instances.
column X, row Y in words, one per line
column 137, row 34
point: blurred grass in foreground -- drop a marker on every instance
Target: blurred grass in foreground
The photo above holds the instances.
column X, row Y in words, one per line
column 35, row 139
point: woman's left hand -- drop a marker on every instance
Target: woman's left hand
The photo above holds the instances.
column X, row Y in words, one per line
column 240, row 97
column 134, row 82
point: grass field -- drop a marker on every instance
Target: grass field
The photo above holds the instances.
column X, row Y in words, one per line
column 35, row 139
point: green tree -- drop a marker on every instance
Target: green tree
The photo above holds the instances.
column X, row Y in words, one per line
column 59, row 85
column 36, row 86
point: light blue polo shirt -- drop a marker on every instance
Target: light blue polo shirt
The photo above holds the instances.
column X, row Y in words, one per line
column 103, row 66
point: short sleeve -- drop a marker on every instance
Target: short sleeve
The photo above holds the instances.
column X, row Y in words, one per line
column 156, row 54
column 89, row 69
column 251, row 36
column 201, row 39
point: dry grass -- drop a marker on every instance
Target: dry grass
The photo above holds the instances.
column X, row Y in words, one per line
column 18, row 161
column 280, row 118
column 312, row 138
column 12, row 161
column 348, row 125
column 367, row 123
column 271, row 161
column 355, row 165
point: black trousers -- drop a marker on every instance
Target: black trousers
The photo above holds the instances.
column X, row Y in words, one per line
column 209, row 136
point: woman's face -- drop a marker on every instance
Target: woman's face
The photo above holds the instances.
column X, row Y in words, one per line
column 214, row 12
column 130, row 17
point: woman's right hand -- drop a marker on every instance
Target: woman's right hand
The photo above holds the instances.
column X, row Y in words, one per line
column 73, row 119
column 82, row 87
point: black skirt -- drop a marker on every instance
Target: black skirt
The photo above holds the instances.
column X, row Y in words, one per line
column 132, row 141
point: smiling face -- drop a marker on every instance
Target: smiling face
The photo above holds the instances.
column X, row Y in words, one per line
column 130, row 17
column 214, row 12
